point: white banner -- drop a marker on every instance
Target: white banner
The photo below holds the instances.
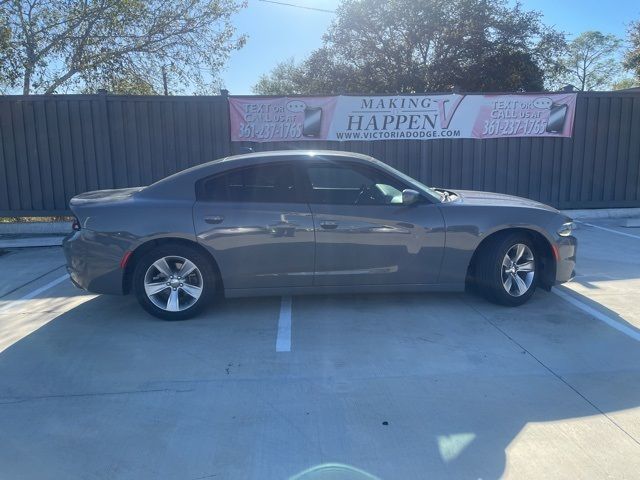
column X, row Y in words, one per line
column 399, row 117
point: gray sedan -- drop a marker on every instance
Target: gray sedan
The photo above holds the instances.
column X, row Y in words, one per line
column 299, row 222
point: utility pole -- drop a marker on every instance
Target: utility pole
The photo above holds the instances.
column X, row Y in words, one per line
column 164, row 80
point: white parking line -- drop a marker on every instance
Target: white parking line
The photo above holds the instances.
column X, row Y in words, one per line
column 611, row 230
column 629, row 332
column 34, row 293
column 283, row 342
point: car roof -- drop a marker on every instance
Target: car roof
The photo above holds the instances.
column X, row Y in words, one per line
column 272, row 155
column 297, row 153
column 265, row 157
column 300, row 152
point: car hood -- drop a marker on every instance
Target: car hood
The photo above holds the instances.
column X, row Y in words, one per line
column 473, row 197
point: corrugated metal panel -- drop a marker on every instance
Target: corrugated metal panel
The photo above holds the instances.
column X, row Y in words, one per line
column 54, row 147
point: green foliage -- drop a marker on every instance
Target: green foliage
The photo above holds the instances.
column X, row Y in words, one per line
column 391, row 46
column 7, row 73
column 591, row 62
column 56, row 46
column 283, row 78
column 632, row 56
column 626, row 83
column 131, row 84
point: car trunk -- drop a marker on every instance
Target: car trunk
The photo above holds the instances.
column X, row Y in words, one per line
column 86, row 202
column 98, row 197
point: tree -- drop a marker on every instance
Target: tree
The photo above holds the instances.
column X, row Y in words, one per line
column 625, row 83
column 591, row 61
column 7, row 75
column 403, row 46
column 61, row 45
column 632, row 56
column 283, row 79
column 122, row 85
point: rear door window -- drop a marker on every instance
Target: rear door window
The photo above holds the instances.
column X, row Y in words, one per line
column 270, row 183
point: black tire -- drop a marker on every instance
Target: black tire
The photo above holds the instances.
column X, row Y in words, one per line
column 489, row 269
column 207, row 277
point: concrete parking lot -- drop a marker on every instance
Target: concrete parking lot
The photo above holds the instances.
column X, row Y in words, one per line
column 342, row 387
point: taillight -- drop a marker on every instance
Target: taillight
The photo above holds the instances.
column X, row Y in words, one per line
column 75, row 225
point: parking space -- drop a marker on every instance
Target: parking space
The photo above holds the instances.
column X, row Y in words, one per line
column 608, row 275
column 325, row 387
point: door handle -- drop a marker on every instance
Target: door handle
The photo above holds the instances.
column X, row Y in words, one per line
column 329, row 225
column 214, row 219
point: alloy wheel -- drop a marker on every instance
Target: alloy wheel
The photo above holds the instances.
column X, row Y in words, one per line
column 518, row 270
column 173, row 283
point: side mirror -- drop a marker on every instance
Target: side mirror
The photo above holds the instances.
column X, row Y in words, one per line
column 409, row 197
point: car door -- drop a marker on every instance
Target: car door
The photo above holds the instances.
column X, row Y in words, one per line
column 252, row 220
column 365, row 235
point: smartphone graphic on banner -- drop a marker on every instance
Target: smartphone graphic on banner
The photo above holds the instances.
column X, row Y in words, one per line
column 312, row 122
column 557, row 116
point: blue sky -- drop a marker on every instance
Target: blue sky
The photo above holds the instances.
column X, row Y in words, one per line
column 278, row 32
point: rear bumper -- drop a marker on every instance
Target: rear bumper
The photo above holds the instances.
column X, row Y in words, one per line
column 73, row 276
column 567, row 248
column 93, row 262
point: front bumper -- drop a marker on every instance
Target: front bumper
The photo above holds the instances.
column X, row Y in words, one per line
column 93, row 261
column 566, row 250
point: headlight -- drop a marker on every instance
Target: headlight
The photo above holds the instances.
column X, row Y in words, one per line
column 566, row 229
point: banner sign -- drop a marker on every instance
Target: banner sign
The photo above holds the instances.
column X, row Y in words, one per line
column 400, row 117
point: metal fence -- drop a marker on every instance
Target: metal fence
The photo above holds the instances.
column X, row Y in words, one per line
column 54, row 147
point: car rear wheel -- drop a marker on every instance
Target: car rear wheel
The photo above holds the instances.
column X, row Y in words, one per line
column 507, row 269
column 174, row 282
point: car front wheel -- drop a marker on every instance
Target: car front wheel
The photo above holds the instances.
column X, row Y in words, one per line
column 174, row 282
column 507, row 269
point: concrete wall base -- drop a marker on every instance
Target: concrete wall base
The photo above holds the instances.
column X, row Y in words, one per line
column 35, row 228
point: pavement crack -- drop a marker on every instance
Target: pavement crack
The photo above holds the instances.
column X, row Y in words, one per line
column 14, row 400
column 557, row 375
